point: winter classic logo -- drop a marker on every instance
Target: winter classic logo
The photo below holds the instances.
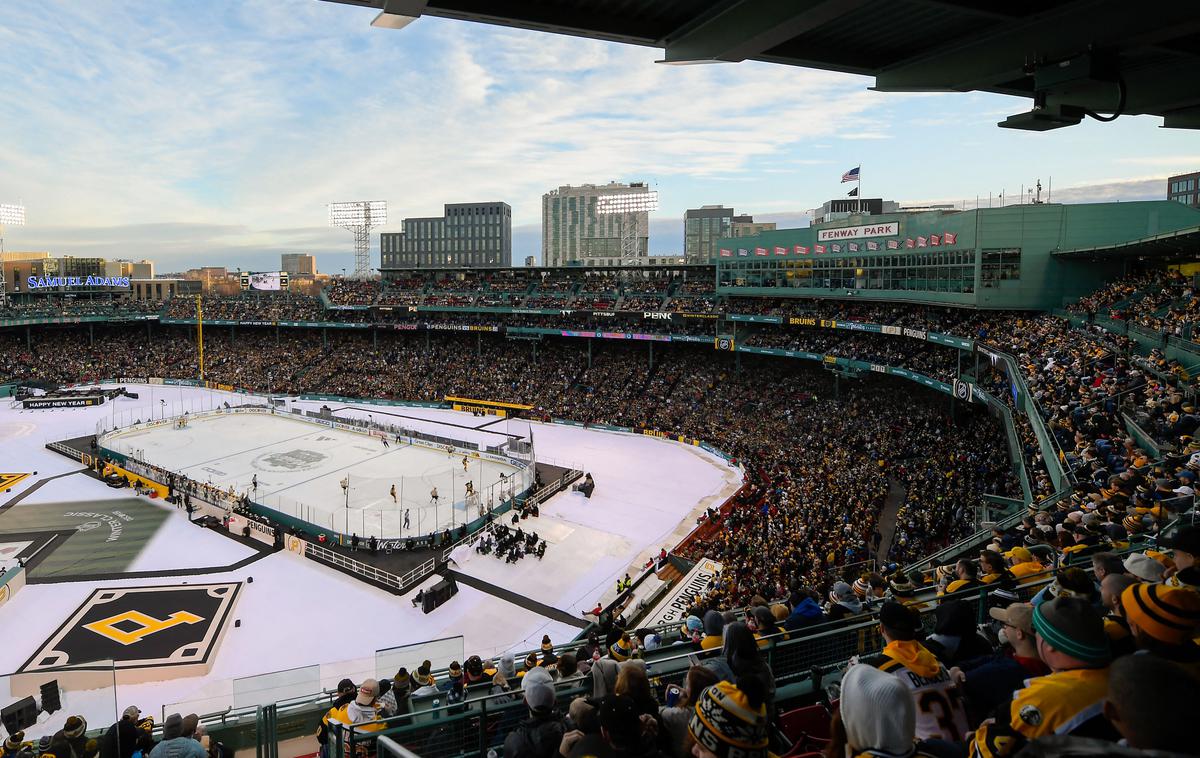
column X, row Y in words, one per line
column 1031, row 715
column 291, row 460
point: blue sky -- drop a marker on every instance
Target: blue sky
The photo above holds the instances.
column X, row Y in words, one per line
column 213, row 132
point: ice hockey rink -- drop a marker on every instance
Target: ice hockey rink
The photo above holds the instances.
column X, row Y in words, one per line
column 298, row 467
column 299, row 614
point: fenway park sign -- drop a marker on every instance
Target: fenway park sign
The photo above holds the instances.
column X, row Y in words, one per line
column 858, row 232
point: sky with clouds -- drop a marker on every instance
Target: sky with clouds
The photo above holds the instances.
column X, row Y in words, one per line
column 213, row 132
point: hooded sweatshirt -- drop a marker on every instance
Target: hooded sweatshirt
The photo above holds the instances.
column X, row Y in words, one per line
column 806, row 613
column 929, row 681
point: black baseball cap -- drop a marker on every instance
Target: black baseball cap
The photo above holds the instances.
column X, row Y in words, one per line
column 1185, row 538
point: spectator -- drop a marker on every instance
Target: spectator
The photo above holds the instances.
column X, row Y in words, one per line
column 941, row 715
column 989, row 680
column 120, row 741
column 1144, row 567
column 1120, row 638
column 14, row 746
column 730, row 719
column 1163, row 620
column 745, row 661
column 1025, row 567
column 539, row 735
column 1104, row 564
column 877, row 717
column 174, row 744
column 806, row 613
column 843, row 603
column 623, row 734
column 72, row 742
column 675, row 715
column 1184, row 542
column 714, row 630
column 1071, row 641
column 1149, row 702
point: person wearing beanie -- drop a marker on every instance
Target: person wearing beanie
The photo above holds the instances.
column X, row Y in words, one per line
column 13, row 745
column 622, row 649
column 921, row 673
column 455, row 672
column 1144, row 567
column 1163, row 621
column 424, row 682
column 730, row 721
column 842, row 602
column 877, row 715
column 174, row 744
column 546, row 644
column 395, row 700
column 539, row 735
column 1071, row 641
column 714, row 630
column 71, row 740
column 346, row 693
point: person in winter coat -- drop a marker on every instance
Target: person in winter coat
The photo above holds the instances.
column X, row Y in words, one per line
column 676, row 714
column 806, row 613
column 71, row 741
column 121, row 738
column 174, row 744
column 842, row 602
column 540, row 734
column 744, row 658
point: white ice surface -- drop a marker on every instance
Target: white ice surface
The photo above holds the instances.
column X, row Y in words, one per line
column 298, row 613
column 300, row 467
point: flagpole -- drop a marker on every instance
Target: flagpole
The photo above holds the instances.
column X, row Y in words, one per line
column 860, row 189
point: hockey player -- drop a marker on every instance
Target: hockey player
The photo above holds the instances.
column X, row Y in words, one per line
column 433, row 496
column 394, row 500
column 465, row 462
column 405, row 518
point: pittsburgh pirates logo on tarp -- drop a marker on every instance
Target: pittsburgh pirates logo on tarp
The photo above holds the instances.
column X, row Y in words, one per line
column 8, row 481
column 141, row 627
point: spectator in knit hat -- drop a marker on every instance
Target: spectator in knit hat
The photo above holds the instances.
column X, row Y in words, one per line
column 877, row 716
column 174, row 744
column 843, row 603
column 1184, row 542
column 906, row 659
column 1163, row 621
column 989, row 680
column 539, row 735
column 71, row 741
column 1071, row 641
column 14, row 747
column 730, row 720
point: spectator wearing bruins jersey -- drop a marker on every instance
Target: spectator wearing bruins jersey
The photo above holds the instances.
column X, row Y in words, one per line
column 940, row 714
column 1069, row 700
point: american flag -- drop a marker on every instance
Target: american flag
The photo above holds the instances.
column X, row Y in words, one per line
column 949, row 238
column 801, row 250
column 851, row 175
column 893, row 244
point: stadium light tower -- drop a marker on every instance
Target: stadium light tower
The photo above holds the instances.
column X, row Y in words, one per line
column 626, row 207
column 359, row 217
column 11, row 215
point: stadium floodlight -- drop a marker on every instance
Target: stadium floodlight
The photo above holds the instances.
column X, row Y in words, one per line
column 632, row 202
column 11, row 215
column 626, row 206
column 359, row 217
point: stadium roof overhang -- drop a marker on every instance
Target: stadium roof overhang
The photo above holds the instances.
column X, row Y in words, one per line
column 1071, row 57
column 1181, row 244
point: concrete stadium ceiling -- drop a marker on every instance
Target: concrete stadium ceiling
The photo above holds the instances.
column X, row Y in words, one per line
column 1072, row 58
